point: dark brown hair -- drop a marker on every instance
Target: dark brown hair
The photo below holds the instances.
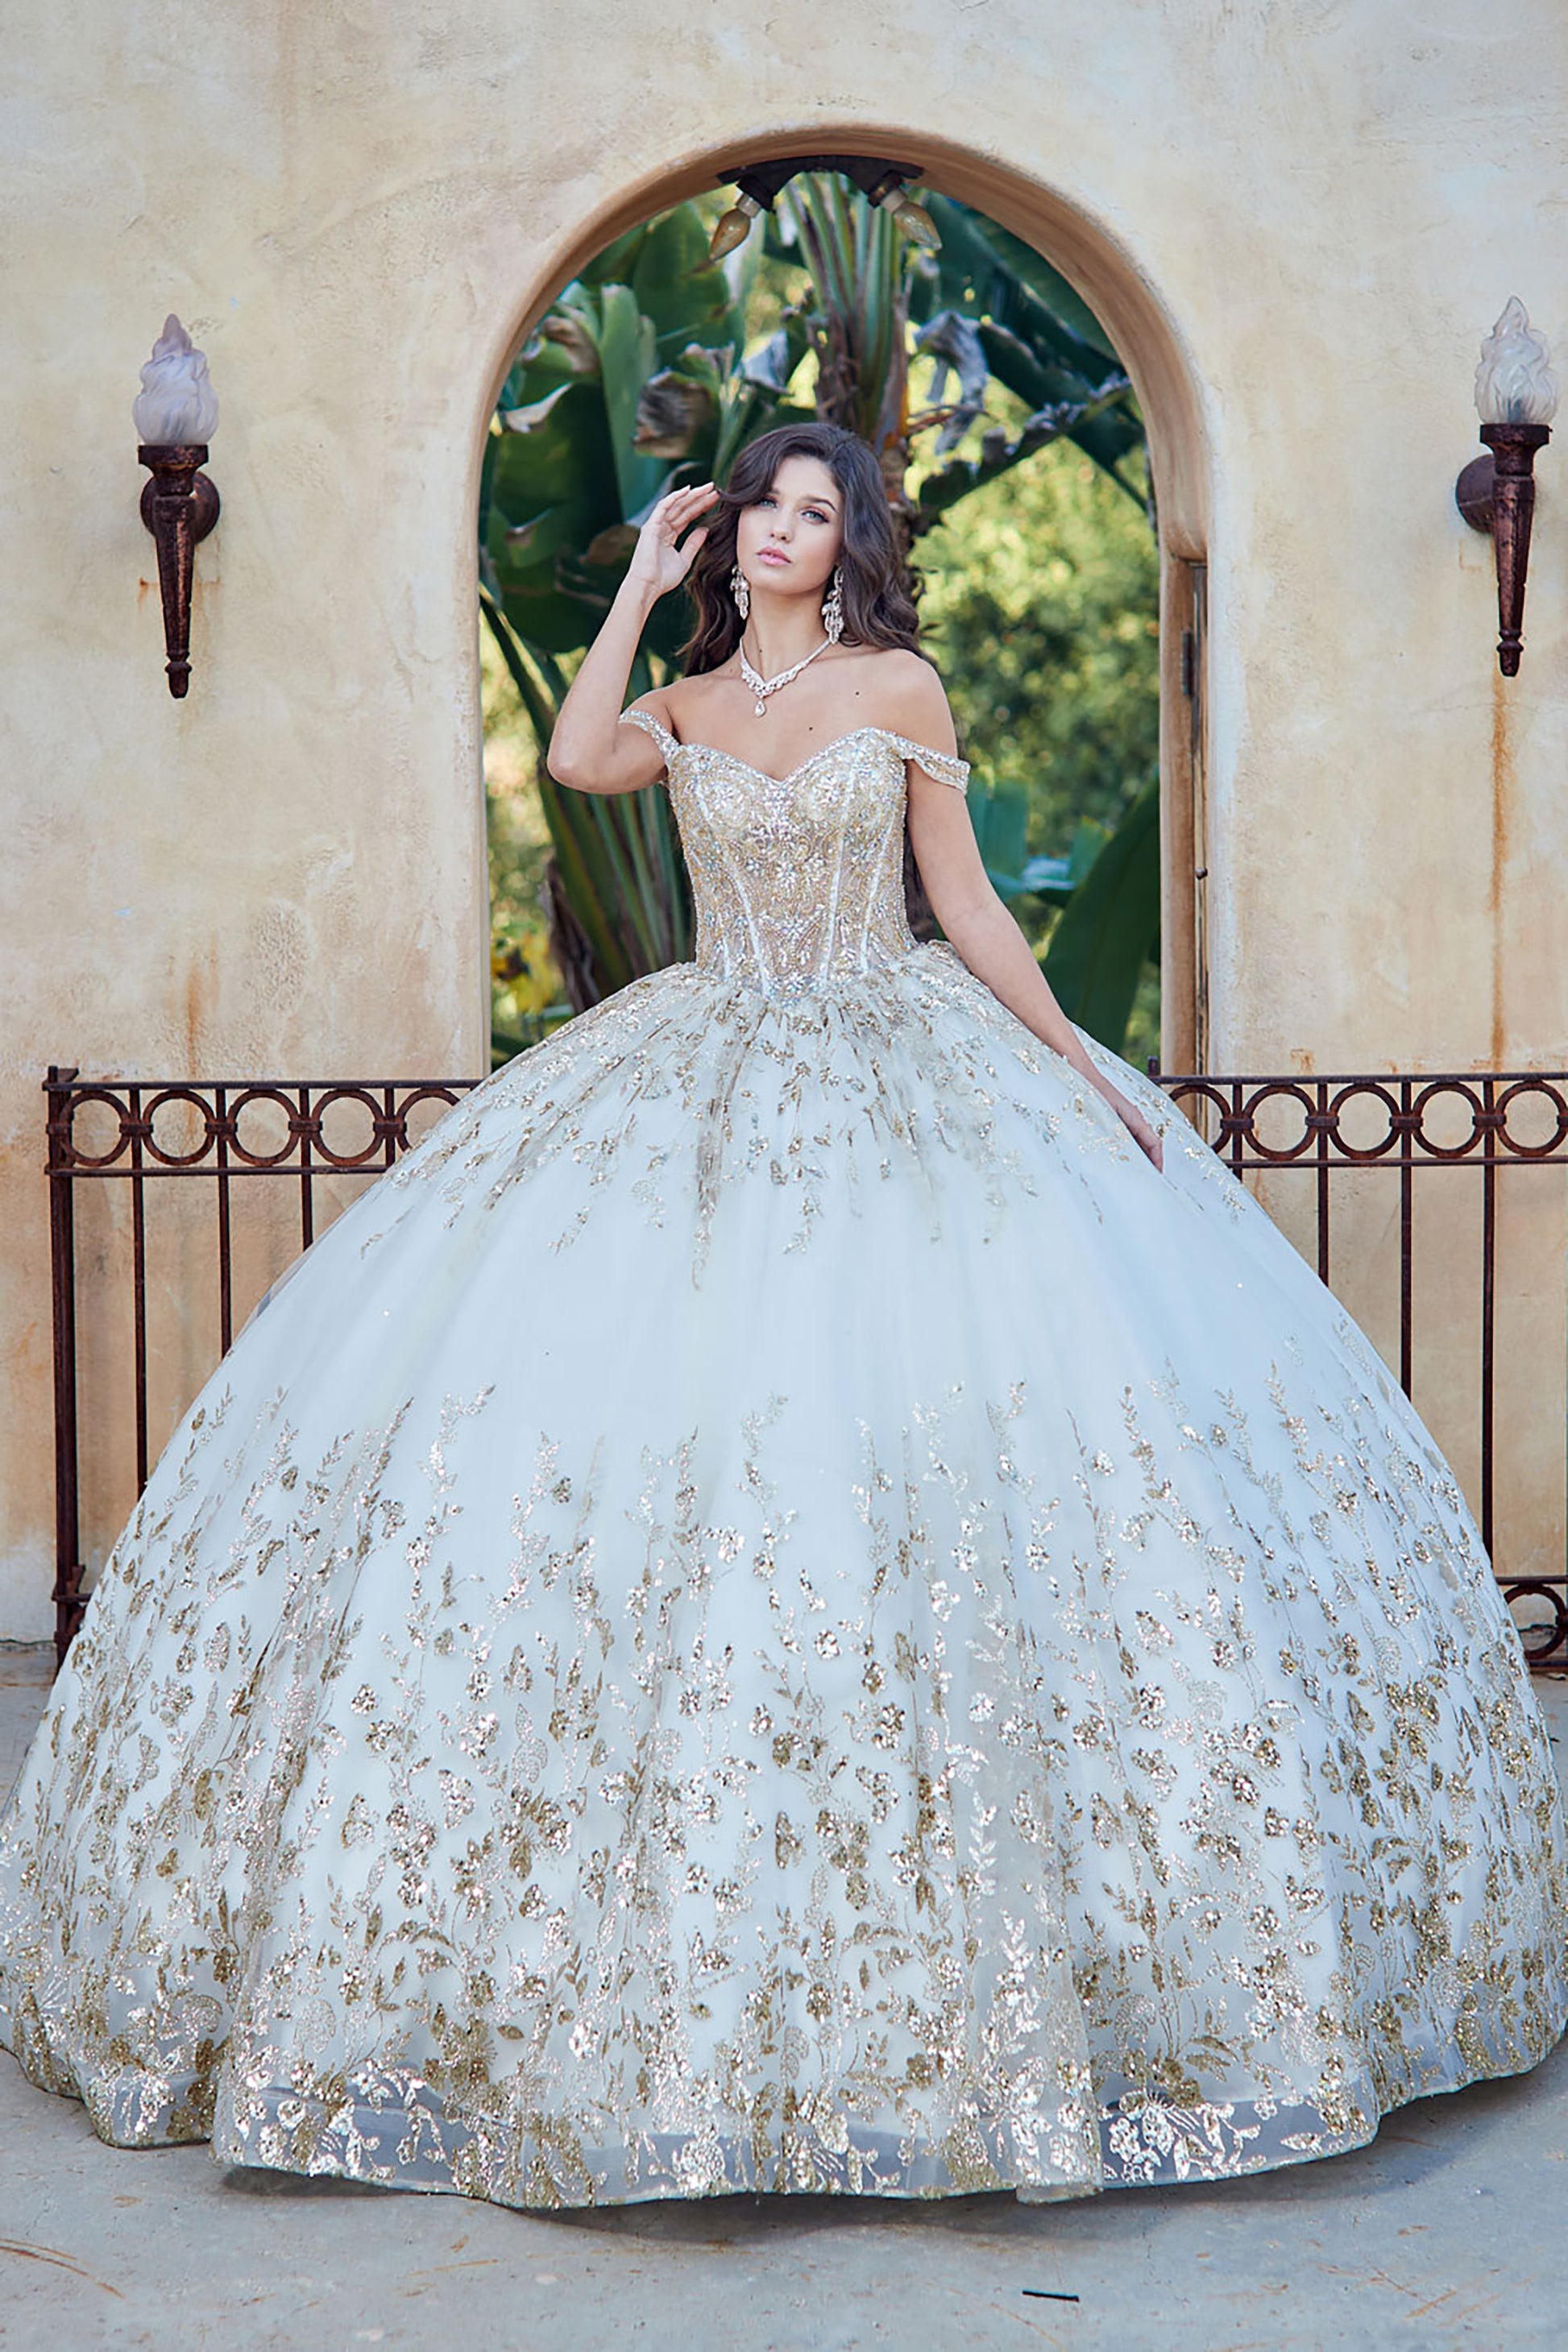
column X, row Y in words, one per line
column 879, row 610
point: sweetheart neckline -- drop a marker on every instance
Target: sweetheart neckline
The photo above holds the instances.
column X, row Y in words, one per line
column 683, row 744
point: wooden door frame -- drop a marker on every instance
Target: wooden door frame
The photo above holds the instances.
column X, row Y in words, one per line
column 1185, row 1034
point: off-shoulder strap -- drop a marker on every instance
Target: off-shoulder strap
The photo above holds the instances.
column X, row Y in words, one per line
column 655, row 728
column 942, row 765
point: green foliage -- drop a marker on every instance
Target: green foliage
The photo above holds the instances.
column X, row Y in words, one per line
column 573, row 463
column 1037, row 340
column 856, row 316
column 622, row 893
column 1104, row 945
column 1110, row 926
column 1041, row 606
column 1040, row 611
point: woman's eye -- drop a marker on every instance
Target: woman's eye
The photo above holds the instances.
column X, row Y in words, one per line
column 816, row 513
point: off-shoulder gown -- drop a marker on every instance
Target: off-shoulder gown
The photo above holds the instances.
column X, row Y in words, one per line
column 774, row 1609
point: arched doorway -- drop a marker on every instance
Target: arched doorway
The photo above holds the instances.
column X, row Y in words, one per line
column 1167, row 391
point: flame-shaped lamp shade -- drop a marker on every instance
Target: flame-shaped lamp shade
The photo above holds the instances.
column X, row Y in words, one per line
column 1516, row 397
column 1514, row 385
column 175, row 413
column 176, row 403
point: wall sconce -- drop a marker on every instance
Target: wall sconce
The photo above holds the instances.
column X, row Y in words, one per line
column 175, row 413
column 1516, row 393
column 885, row 183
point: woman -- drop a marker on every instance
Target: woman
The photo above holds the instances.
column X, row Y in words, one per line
column 806, row 1596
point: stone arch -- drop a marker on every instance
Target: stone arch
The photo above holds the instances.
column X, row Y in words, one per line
column 1169, row 389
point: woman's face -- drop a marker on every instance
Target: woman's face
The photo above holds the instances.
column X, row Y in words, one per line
column 788, row 542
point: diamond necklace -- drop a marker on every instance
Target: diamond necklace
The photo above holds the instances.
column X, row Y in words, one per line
column 763, row 687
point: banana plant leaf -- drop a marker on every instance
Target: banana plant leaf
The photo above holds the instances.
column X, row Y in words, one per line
column 1111, row 926
column 1000, row 815
column 859, row 319
column 686, row 297
column 618, row 858
column 1038, row 337
column 1000, row 452
column 984, row 262
column 1055, row 879
column 1107, row 884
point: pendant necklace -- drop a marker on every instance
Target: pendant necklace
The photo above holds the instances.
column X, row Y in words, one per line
column 763, row 687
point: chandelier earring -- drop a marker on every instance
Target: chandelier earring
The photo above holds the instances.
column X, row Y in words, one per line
column 741, row 590
column 832, row 606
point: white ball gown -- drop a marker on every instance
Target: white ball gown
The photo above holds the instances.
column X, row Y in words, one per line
column 774, row 1610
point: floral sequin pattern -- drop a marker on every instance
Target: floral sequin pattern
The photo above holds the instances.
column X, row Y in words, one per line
column 774, row 1609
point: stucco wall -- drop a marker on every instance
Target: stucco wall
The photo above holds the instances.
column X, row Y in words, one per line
column 1314, row 210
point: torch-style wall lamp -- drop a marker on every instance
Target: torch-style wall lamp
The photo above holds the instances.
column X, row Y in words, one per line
column 1516, row 393
column 175, row 414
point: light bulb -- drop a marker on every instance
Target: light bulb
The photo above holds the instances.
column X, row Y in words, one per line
column 914, row 219
column 733, row 227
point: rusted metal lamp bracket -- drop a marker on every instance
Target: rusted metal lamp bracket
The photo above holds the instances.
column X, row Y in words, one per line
column 179, row 507
column 1497, row 494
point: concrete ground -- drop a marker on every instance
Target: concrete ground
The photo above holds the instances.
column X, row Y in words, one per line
column 1445, row 2232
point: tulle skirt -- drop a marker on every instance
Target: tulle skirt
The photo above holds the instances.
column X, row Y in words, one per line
column 774, row 1609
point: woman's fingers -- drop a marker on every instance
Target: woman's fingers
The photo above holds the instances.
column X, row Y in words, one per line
column 678, row 507
column 1144, row 1134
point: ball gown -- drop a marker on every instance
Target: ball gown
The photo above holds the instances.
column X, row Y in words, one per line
column 774, row 1609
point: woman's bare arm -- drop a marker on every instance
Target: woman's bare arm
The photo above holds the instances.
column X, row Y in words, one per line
column 590, row 750
column 975, row 921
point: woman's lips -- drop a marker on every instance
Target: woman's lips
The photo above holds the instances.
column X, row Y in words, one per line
column 771, row 555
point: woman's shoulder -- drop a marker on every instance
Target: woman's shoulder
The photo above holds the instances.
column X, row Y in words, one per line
column 910, row 696
column 684, row 697
column 887, row 670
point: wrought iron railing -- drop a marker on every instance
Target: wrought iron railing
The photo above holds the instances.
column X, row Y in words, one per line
column 304, row 1133
column 1402, row 1128
column 295, row 1132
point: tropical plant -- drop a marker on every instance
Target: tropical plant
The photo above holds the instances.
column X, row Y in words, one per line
column 640, row 377
column 1043, row 611
column 1108, row 888
column 991, row 310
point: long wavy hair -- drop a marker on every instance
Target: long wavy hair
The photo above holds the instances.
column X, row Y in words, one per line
column 879, row 610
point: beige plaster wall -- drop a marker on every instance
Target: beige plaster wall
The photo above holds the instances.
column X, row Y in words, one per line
column 1303, row 216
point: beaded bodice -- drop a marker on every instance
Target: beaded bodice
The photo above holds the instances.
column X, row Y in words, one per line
column 797, row 880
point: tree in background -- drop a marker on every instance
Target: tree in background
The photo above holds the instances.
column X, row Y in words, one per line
column 652, row 369
column 1043, row 612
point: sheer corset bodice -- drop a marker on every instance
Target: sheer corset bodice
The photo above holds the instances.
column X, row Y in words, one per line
column 797, row 880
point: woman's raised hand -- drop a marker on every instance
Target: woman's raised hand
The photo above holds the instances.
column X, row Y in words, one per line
column 658, row 560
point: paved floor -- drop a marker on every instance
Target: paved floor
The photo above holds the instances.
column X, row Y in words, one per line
column 1446, row 2233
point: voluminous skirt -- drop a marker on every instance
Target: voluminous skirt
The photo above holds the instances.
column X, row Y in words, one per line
column 775, row 1610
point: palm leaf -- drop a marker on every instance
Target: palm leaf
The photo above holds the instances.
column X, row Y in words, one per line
column 1110, row 926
